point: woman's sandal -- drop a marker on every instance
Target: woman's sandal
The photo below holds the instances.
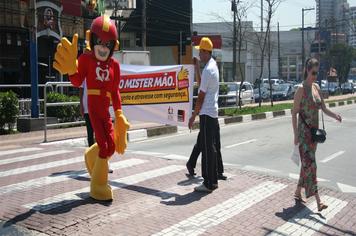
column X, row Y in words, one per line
column 322, row 207
column 299, row 198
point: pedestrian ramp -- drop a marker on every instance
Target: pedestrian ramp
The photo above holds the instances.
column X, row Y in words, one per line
column 50, row 186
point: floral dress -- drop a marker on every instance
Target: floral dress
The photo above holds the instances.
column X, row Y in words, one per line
column 309, row 110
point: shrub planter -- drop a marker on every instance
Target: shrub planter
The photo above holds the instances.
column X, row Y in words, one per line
column 341, row 103
column 258, row 116
column 33, row 124
column 233, row 119
column 349, row 102
column 167, row 129
column 332, row 104
column 279, row 113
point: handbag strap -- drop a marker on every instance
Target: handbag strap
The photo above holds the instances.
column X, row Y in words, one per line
column 322, row 118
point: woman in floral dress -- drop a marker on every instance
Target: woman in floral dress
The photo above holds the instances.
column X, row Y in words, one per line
column 307, row 102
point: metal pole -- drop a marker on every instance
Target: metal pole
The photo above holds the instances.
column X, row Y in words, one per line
column 303, row 52
column 144, row 26
column 279, row 56
column 33, row 62
column 180, row 47
column 45, row 112
column 261, row 15
column 233, row 6
column 319, row 47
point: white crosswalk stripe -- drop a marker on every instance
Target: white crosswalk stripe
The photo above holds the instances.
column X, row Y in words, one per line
column 40, row 182
column 215, row 215
column 13, row 151
column 306, row 222
column 69, row 197
column 33, row 156
column 41, row 166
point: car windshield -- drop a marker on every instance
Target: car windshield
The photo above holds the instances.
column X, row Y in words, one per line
column 282, row 87
column 233, row 87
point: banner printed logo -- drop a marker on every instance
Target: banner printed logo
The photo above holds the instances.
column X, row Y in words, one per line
column 155, row 88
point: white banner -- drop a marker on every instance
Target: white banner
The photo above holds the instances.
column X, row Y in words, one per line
column 159, row 94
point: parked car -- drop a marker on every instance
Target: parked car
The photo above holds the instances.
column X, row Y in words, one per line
column 283, row 92
column 247, row 95
column 264, row 94
column 332, row 88
column 347, row 87
column 274, row 82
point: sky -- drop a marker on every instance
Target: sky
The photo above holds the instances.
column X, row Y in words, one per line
column 288, row 14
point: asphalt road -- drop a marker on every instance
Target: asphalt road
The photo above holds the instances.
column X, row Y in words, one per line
column 266, row 146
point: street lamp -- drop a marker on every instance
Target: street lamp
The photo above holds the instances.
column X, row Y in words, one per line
column 303, row 51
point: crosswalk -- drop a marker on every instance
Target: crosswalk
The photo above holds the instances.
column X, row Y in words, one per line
column 157, row 185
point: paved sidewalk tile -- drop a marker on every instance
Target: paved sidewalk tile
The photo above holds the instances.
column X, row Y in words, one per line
column 44, row 191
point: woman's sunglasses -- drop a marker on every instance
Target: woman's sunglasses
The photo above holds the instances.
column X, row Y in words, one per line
column 315, row 73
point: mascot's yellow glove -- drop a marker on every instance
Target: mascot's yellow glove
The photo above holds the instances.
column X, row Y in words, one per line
column 66, row 56
column 120, row 131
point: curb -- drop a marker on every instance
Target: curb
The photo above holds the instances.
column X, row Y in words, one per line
column 142, row 134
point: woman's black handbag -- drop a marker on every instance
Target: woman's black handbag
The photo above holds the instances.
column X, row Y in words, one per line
column 318, row 135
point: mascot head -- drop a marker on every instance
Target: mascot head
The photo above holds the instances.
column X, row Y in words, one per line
column 103, row 37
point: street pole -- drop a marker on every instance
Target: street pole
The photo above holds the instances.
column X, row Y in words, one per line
column 33, row 62
column 319, row 46
column 180, row 47
column 234, row 8
column 279, row 56
column 144, row 26
column 303, row 46
column 261, row 16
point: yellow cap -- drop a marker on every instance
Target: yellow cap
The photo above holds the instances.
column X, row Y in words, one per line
column 205, row 44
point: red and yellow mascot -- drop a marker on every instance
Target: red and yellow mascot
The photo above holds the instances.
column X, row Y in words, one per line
column 102, row 75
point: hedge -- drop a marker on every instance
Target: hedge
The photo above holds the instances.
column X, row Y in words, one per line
column 63, row 113
column 9, row 110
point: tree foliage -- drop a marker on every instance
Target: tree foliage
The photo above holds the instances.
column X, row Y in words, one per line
column 340, row 57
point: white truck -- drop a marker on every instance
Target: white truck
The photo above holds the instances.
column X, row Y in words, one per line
column 133, row 57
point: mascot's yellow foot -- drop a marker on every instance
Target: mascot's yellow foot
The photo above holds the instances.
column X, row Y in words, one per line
column 99, row 187
column 91, row 154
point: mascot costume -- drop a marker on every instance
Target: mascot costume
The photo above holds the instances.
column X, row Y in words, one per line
column 102, row 74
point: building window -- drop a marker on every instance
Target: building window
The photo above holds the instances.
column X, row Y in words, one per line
column 18, row 39
column 8, row 39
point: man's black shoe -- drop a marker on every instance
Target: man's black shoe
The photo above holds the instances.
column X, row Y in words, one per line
column 222, row 177
column 190, row 170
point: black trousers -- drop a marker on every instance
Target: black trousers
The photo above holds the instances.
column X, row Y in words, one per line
column 90, row 132
column 197, row 150
column 208, row 136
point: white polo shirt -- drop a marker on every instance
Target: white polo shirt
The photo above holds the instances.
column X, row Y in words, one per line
column 210, row 86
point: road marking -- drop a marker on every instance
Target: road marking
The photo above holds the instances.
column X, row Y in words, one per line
column 41, row 166
column 65, row 198
column 238, row 144
column 215, row 215
column 40, row 182
column 259, row 169
column 156, row 154
column 346, row 188
column 329, row 158
column 71, row 142
column 8, row 152
column 296, row 176
column 306, row 222
column 33, row 156
column 8, row 147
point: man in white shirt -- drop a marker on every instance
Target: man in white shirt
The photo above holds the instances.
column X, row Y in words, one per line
column 207, row 108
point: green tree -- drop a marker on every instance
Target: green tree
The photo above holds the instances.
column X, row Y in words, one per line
column 340, row 57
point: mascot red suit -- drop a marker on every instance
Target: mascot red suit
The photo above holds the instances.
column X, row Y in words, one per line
column 102, row 75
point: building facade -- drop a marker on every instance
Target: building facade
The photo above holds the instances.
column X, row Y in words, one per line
column 333, row 16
